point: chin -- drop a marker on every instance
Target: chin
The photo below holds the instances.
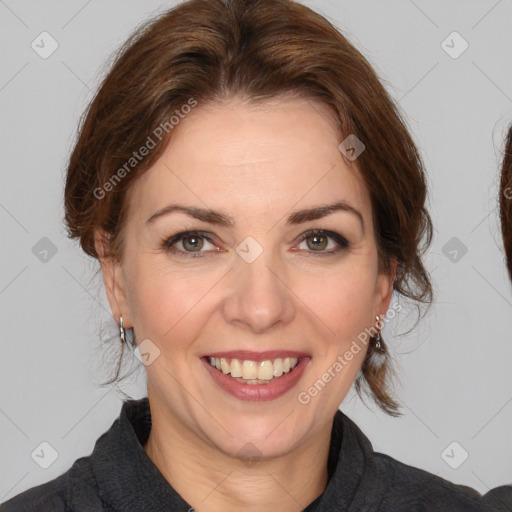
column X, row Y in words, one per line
column 261, row 437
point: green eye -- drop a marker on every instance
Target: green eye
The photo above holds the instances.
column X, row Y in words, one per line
column 322, row 242
column 192, row 243
column 317, row 242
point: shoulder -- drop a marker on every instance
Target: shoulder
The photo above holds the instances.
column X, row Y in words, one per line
column 388, row 484
column 420, row 490
column 104, row 477
column 50, row 496
column 60, row 494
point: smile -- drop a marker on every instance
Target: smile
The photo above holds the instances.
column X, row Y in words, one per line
column 247, row 371
column 256, row 376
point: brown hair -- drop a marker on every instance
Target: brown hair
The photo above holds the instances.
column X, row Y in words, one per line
column 209, row 50
column 505, row 201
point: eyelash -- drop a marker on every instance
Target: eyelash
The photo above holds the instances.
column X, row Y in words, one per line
column 168, row 243
column 340, row 240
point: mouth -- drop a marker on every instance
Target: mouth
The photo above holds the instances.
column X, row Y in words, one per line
column 247, row 371
column 258, row 377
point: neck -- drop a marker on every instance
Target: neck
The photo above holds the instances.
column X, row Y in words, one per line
column 211, row 481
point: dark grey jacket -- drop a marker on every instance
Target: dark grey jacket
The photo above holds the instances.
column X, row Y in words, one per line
column 119, row 477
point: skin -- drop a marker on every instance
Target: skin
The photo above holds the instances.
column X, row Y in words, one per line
column 257, row 165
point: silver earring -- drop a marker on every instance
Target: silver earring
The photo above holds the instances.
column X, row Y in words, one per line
column 378, row 343
column 122, row 332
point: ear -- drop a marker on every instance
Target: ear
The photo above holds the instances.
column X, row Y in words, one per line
column 113, row 279
column 384, row 288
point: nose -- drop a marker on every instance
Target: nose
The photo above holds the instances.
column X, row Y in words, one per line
column 258, row 298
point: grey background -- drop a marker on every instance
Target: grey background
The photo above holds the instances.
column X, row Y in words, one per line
column 454, row 366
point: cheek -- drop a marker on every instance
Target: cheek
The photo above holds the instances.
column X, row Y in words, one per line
column 342, row 300
column 166, row 304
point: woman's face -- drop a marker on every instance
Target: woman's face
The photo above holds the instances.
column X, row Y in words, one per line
column 281, row 263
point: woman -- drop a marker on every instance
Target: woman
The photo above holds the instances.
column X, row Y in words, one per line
column 254, row 200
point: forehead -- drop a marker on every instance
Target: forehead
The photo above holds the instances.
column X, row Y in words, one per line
column 237, row 156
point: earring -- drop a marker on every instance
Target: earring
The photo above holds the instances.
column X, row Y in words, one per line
column 378, row 342
column 122, row 332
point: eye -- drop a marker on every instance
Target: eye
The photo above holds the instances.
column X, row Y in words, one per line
column 321, row 241
column 190, row 242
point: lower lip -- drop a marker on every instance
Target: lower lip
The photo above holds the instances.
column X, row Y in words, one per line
column 277, row 387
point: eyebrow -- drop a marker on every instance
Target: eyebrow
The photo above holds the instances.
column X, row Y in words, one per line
column 319, row 212
column 206, row 215
column 221, row 219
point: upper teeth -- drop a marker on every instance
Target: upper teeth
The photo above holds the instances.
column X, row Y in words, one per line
column 246, row 369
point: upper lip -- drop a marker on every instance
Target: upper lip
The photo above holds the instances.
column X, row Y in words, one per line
column 249, row 355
